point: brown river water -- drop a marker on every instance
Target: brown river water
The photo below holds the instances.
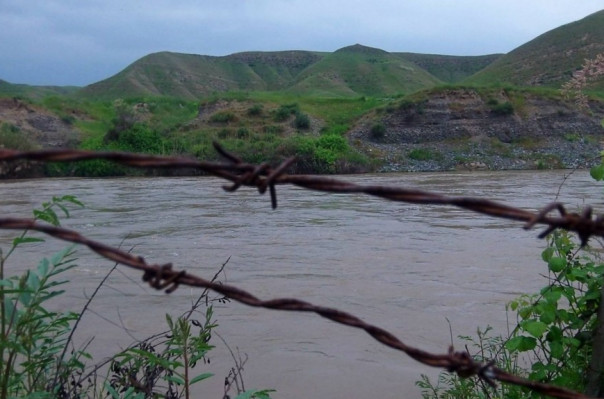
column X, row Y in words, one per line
column 404, row 267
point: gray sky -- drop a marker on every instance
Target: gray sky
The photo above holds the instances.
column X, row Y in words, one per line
column 78, row 42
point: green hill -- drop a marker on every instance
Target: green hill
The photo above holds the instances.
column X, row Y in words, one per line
column 450, row 68
column 33, row 92
column 351, row 71
column 550, row 59
column 359, row 70
column 192, row 76
column 354, row 71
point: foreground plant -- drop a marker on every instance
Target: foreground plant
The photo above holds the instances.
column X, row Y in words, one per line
column 32, row 337
column 38, row 362
column 554, row 333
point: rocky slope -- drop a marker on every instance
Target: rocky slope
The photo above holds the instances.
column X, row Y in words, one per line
column 466, row 129
column 37, row 126
column 24, row 126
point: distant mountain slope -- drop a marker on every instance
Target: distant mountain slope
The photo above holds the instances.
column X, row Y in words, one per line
column 193, row 76
column 360, row 70
column 15, row 90
column 351, row 71
column 450, row 68
column 550, row 59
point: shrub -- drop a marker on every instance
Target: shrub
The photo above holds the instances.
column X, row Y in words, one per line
column 140, row 138
column 302, row 121
column 502, row 109
column 421, row 154
column 222, row 117
column 554, row 332
column 333, row 143
column 378, row 131
column 255, row 110
column 284, row 112
column 12, row 137
column 68, row 119
column 243, row 133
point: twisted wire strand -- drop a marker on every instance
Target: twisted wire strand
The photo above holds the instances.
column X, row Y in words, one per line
column 165, row 277
column 264, row 177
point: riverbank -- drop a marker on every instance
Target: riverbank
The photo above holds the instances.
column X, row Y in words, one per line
column 467, row 129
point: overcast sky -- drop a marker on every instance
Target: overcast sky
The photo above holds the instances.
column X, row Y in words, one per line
column 78, row 42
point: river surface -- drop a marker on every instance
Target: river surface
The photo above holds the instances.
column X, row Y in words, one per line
column 404, row 267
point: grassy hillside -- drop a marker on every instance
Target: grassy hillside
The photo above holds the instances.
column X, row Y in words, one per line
column 360, row 70
column 34, row 92
column 349, row 72
column 190, row 76
column 550, row 59
column 450, row 68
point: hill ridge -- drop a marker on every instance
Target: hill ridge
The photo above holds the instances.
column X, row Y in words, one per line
column 351, row 71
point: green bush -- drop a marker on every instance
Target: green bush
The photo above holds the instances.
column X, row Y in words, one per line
column 243, row 133
column 302, row 121
column 284, row 112
column 502, row 109
column 140, row 138
column 553, row 333
column 255, row 110
column 12, row 137
column 421, row 154
column 223, row 117
column 378, row 131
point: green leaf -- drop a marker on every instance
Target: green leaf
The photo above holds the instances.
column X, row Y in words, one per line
column 24, row 240
column 48, row 216
column 258, row 394
column 521, row 344
column 525, row 312
column 72, row 199
column 33, row 281
column 556, row 264
column 552, row 294
column 547, row 254
column 152, row 358
column 175, row 379
column 64, row 209
column 539, row 371
column 556, row 349
column 554, row 334
column 597, row 172
column 547, row 317
column 201, row 377
column 43, row 267
column 534, row 327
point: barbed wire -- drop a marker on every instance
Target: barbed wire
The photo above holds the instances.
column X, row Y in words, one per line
column 263, row 177
column 164, row 277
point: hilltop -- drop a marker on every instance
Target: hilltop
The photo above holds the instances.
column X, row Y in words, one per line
column 550, row 59
column 348, row 72
column 352, row 71
column 356, row 109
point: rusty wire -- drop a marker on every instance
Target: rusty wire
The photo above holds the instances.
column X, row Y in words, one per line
column 166, row 278
column 264, row 177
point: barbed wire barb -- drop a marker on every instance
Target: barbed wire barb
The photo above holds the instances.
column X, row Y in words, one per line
column 239, row 173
